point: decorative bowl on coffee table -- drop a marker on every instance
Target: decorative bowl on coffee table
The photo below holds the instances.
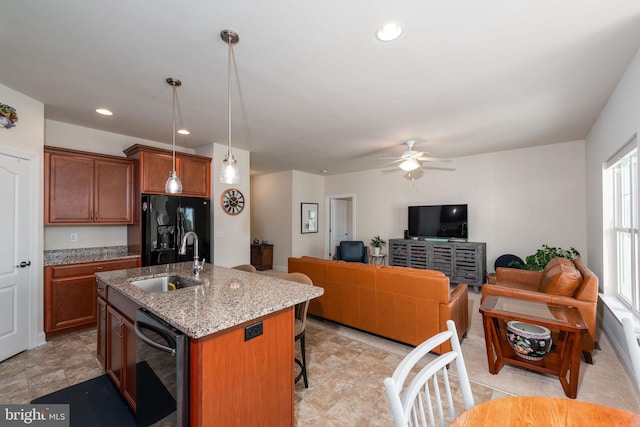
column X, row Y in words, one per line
column 528, row 341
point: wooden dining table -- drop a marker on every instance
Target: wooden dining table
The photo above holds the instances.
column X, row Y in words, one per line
column 532, row 411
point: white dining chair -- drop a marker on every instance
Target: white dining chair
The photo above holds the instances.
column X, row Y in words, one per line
column 416, row 405
column 634, row 349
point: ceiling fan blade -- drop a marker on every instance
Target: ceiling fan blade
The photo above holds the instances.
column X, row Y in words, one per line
column 432, row 159
column 435, row 168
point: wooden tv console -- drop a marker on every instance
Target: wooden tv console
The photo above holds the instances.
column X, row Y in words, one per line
column 462, row 262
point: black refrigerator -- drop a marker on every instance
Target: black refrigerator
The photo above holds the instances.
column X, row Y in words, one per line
column 165, row 219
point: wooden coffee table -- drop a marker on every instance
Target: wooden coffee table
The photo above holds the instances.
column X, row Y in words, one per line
column 567, row 328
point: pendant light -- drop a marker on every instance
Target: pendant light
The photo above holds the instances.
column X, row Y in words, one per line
column 229, row 173
column 173, row 184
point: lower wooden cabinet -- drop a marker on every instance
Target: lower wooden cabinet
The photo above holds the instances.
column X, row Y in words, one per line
column 102, row 332
column 235, row 382
column 118, row 340
column 70, row 294
column 121, row 354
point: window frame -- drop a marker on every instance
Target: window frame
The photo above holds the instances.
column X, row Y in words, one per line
column 625, row 228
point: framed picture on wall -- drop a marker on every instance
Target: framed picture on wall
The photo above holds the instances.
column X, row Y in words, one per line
column 309, row 217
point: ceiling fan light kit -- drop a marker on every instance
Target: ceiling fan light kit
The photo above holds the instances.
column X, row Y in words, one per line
column 409, row 165
column 410, row 160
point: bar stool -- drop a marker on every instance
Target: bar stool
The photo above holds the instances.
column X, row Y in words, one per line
column 301, row 321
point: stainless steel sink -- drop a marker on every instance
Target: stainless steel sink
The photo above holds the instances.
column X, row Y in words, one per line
column 165, row 283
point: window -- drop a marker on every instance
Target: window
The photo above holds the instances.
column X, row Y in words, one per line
column 626, row 233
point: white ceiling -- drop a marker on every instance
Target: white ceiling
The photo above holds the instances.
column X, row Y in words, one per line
column 313, row 88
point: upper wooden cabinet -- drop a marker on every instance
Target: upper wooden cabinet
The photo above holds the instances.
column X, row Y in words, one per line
column 156, row 164
column 87, row 188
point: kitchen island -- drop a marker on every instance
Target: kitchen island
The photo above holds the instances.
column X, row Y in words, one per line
column 235, row 379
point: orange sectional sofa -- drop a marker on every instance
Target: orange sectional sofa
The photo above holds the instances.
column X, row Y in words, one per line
column 401, row 303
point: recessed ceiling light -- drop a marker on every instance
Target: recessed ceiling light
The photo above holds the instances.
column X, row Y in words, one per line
column 104, row 112
column 389, row 32
column 183, row 132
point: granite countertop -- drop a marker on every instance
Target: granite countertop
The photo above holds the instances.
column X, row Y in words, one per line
column 81, row 255
column 226, row 298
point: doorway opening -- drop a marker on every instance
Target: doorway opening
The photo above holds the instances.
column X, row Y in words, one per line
column 342, row 220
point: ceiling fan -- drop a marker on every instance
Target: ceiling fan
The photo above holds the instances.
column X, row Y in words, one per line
column 411, row 160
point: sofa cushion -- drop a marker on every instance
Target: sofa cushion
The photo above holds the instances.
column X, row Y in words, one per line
column 561, row 278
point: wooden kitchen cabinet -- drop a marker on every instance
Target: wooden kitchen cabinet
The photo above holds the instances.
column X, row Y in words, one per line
column 255, row 370
column 101, row 352
column 121, row 356
column 70, row 294
column 121, row 345
column 155, row 164
column 87, row 188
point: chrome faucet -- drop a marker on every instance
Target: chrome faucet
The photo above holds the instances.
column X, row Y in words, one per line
column 197, row 264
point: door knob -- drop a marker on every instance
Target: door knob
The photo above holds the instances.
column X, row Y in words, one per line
column 24, row 264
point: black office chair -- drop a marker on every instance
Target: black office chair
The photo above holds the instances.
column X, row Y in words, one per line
column 352, row 251
column 507, row 259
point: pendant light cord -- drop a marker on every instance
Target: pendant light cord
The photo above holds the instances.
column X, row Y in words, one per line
column 229, row 93
column 174, row 127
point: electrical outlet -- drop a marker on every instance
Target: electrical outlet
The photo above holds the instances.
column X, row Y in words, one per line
column 252, row 331
column 73, row 237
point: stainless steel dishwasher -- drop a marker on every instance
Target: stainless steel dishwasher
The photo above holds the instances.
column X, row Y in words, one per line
column 162, row 372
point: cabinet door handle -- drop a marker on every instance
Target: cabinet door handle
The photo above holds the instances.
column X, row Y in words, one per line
column 24, row 264
column 119, row 329
column 101, row 267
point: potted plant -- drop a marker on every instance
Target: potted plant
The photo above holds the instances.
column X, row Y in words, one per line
column 376, row 244
column 539, row 260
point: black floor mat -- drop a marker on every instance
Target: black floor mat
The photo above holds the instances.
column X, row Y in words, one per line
column 97, row 402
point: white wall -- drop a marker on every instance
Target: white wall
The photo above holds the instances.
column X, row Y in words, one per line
column 518, row 199
column 617, row 123
column 307, row 188
column 272, row 214
column 232, row 233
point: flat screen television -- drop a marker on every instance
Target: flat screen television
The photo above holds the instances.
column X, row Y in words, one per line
column 438, row 221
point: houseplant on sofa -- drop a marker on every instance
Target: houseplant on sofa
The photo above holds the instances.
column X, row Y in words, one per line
column 377, row 243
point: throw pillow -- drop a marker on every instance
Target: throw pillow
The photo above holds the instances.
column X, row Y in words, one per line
column 560, row 279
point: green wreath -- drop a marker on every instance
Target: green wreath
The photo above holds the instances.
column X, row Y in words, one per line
column 8, row 116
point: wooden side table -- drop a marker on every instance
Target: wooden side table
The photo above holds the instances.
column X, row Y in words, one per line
column 565, row 323
column 262, row 256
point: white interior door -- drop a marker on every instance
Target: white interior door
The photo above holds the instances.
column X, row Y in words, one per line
column 341, row 228
column 15, row 238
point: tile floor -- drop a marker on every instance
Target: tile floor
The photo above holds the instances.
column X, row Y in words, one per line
column 346, row 373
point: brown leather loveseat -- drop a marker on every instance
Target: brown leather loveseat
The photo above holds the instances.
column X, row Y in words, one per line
column 404, row 304
column 562, row 282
